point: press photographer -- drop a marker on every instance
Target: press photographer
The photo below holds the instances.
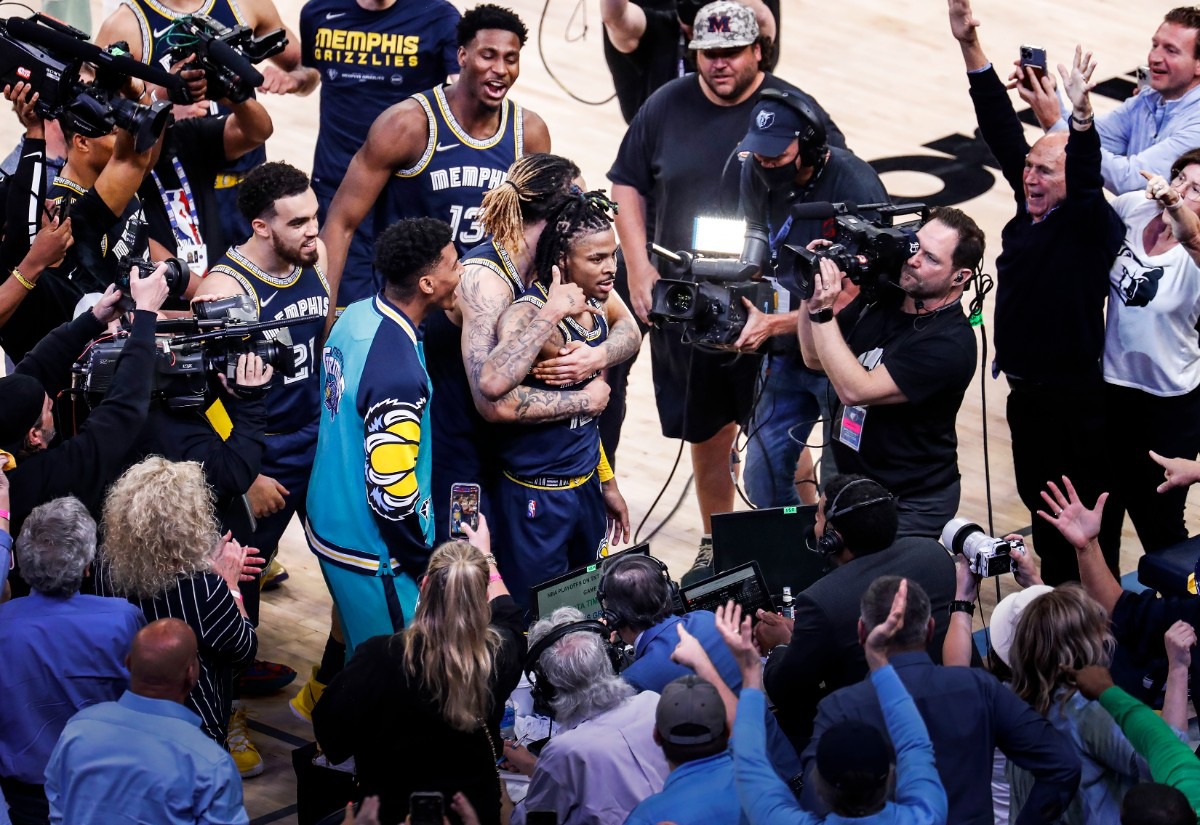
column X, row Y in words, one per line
column 111, row 127
column 84, row 464
column 900, row 362
column 791, row 164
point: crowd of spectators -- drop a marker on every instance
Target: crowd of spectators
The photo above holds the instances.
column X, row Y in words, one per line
column 465, row 339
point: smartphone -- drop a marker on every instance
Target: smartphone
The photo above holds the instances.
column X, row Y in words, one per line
column 426, row 808
column 464, row 508
column 1142, row 73
column 1033, row 57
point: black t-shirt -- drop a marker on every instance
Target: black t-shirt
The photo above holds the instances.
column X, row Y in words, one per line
column 657, row 59
column 198, row 145
column 704, row 179
column 90, row 265
column 910, row 447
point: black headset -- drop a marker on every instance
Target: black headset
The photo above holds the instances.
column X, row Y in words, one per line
column 814, row 143
column 618, row 617
column 542, row 689
column 830, row 542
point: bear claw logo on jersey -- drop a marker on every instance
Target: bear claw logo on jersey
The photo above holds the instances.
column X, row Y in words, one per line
column 393, row 441
column 335, row 382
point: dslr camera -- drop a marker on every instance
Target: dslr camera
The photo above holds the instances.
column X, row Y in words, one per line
column 870, row 251
column 227, row 56
column 192, row 349
column 707, row 301
column 49, row 55
column 986, row 555
column 178, row 274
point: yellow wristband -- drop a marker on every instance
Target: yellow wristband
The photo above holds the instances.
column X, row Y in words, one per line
column 604, row 469
column 22, row 280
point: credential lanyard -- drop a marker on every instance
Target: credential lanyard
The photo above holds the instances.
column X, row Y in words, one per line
column 187, row 193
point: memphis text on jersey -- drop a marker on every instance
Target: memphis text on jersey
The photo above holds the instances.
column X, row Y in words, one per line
column 366, row 48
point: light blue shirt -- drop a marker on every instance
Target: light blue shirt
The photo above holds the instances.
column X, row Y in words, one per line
column 141, row 760
column 766, row 800
column 59, row 655
column 1145, row 132
column 696, row 793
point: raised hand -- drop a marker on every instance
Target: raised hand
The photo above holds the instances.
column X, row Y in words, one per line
column 882, row 634
column 1077, row 82
column 1077, row 523
column 962, row 22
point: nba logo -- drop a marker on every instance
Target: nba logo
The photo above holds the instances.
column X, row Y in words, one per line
column 531, row 509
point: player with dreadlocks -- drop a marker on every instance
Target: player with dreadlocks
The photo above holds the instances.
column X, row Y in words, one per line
column 557, row 514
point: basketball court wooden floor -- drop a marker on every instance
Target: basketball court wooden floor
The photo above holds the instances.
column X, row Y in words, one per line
column 892, row 77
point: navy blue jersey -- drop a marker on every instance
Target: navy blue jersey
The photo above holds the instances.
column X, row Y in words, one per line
column 293, row 402
column 558, row 448
column 454, row 171
column 464, row 444
column 155, row 20
column 370, row 60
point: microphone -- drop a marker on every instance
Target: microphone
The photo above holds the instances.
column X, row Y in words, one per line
column 230, row 57
column 30, row 32
column 821, row 210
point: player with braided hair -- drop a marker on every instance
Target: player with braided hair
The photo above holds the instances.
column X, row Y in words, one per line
column 558, row 512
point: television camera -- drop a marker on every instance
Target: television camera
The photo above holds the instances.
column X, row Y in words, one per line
column 871, row 251
column 227, row 55
column 708, row 303
column 190, row 349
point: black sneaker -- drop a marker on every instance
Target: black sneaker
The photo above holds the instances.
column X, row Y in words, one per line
column 702, row 568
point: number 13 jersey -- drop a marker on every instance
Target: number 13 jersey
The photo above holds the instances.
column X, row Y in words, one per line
column 454, row 171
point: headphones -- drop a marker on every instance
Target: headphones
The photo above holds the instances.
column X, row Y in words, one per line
column 813, row 141
column 830, row 542
column 543, row 690
column 617, row 618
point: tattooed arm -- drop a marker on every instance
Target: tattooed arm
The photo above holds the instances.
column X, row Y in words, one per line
column 624, row 338
column 522, row 337
column 482, row 298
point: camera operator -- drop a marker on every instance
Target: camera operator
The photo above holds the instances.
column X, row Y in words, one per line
column 900, row 367
column 81, row 466
column 645, row 44
column 100, row 183
column 660, row 191
column 1052, row 279
column 179, row 195
column 790, row 163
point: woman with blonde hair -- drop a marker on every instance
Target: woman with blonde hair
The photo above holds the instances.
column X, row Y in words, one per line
column 163, row 552
column 1058, row 633
column 420, row 710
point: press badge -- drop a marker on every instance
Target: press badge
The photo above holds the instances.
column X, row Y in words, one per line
column 854, row 418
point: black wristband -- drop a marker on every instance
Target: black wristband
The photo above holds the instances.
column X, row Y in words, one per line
column 961, row 606
column 821, row 316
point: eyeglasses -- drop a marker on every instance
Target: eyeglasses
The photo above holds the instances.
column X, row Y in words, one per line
column 1186, row 188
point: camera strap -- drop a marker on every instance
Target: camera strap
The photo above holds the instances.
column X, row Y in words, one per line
column 189, row 243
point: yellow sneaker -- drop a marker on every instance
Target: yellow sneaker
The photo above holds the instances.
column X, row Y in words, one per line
column 247, row 757
column 303, row 702
column 275, row 575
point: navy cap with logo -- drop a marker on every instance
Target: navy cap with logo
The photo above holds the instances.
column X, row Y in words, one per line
column 773, row 127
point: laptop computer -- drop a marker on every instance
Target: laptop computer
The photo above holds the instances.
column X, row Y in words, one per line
column 774, row 537
column 577, row 588
column 744, row 585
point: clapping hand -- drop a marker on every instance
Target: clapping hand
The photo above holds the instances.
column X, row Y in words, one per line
column 882, row 634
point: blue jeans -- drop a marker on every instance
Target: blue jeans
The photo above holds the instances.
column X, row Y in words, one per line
column 792, row 400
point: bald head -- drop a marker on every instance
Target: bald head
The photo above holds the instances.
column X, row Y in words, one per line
column 1045, row 176
column 163, row 662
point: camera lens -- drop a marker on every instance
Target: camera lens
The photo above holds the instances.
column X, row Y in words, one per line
column 681, row 300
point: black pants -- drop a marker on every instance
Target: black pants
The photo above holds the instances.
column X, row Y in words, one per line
column 1137, row 423
column 1059, row 429
column 27, row 803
